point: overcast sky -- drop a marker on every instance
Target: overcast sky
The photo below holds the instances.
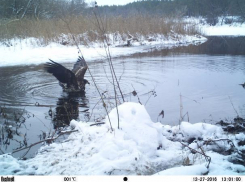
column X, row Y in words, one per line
column 111, row 2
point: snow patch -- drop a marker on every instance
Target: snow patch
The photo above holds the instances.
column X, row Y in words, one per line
column 185, row 170
column 222, row 28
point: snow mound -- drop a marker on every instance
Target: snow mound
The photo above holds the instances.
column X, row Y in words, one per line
column 137, row 147
column 135, row 125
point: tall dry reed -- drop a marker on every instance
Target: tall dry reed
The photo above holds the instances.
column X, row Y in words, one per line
column 53, row 30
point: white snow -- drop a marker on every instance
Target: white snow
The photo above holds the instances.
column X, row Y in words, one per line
column 220, row 29
column 28, row 51
column 224, row 30
column 198, row 169
column 138, row 147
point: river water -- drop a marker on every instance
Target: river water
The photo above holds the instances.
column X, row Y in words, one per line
column 198, row 83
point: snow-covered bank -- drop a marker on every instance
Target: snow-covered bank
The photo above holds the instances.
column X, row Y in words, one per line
column 27, row 52
column 31, row 51
column 222, row 28
column 139, row 147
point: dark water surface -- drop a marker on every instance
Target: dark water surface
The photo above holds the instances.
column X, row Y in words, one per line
column 206, row 76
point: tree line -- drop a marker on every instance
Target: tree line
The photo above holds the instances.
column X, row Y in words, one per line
column 181, row 7
column 40, row 9
column 59, row 8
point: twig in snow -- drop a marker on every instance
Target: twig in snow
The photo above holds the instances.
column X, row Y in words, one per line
column 49, row 140
column 222, row 139
column 97, row 123
column 208, row 158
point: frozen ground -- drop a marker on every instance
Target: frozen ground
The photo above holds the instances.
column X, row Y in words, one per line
column 138, row 147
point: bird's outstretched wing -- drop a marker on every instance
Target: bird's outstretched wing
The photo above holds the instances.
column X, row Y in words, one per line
column 61, row 73
column 80, row 68
column 243, row 85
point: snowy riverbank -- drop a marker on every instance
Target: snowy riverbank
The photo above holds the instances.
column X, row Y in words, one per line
column 30, row 51
column 225, row 26
column 224, row 30
column 27, row 51
column 139, row 147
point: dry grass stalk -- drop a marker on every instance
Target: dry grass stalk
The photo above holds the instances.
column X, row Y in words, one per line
column 52, row 30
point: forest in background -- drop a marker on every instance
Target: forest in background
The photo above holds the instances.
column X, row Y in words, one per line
column 48, row 20
column 59, row 8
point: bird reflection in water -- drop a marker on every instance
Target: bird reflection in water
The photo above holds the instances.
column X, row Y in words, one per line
column 67, row 109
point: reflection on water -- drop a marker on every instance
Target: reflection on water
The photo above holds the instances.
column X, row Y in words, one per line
column 206, row 78
column 214, row 46
column 67, row 109
column 218, row 46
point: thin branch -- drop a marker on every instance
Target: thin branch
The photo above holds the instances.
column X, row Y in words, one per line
column 93, row 110
column 208, row 158
column 233, row 106
column 136, row 94
column 1, row 151
column 222, row 139
column 79, row 50
column 49, row 140
column 26, row 153
column 97, row 123
column 27, row 6
column 107, row 50
column 153, row 92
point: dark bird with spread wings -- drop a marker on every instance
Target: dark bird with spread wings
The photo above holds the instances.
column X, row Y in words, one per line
column 70, row 80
